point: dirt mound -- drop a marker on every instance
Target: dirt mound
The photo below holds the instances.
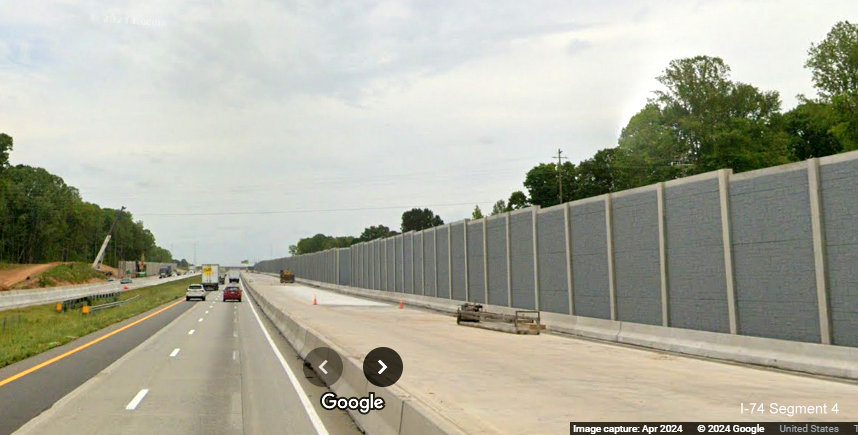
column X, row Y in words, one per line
column 23, row 272
column 111, row 271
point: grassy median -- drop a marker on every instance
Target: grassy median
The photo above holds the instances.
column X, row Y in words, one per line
column 29, row 331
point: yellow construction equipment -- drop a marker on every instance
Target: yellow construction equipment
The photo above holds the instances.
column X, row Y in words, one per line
column 286, row 275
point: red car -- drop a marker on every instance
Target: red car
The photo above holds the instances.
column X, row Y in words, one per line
column 232, row 292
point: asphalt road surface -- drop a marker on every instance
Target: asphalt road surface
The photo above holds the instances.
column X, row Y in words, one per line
column 197, row 367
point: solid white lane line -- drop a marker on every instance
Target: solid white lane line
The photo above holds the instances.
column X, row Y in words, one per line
column 136, row 400
column 302, row 395
column 191, row 332
column 175, row 352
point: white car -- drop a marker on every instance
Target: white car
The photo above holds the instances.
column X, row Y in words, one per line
column 195, row 291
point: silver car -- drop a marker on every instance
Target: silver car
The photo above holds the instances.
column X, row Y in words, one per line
column 195, row 291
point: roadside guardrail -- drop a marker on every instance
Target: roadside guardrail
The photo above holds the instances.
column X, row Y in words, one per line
column 24, row 298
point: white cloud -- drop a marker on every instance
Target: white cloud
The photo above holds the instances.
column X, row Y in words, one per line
column 217, row 106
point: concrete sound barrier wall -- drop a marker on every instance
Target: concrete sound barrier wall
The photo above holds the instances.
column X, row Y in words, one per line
column 771, row 253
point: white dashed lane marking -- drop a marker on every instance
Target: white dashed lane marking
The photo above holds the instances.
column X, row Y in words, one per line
column 175, row 352
column 191, row 332
column 132, row 405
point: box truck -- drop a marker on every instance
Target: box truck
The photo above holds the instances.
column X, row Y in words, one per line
column 211, row 273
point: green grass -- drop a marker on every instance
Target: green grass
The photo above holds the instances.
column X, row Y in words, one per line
column 32, row 330
column 68, row 273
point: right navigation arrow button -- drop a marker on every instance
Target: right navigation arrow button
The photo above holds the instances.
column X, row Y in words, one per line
column 382, row 366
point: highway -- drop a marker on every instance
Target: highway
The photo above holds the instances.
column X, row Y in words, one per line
column 198, row 367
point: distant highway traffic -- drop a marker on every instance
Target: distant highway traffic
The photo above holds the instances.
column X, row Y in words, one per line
column 195, row 367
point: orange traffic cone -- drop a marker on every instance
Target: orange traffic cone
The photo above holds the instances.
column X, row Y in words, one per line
column 314, row 300
column 400, row 305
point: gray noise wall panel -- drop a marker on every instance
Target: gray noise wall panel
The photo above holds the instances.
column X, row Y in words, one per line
column 328, row 266
column 840, row 217
column 551, row 242
column 590, row 260
column 345, row 277
column 443, row 269
column 376, row 264
column 418, row 263
column 521, row 259
column 773, row 257
column 398, row 259
column 391, row 263
column 636, row 258
column 407, row 240
column 358, row 270
column 496, row 247
column 697, row 284
column 457, row 244
column 429, row 263
column 476, row 272
column 369, row 263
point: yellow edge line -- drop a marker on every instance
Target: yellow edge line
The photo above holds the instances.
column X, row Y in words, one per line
column 83, row 346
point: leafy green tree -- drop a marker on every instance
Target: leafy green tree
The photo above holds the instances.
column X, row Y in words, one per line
column 834, row 61
column 499, row 207
column 542, row 183
column 517, row 200
column 649, row 152
column 321, row 242
column 599, row 175
column 5, row 148
column 419, row 219
column 375, row 232
column 477, row 213
column 810, row 127
column 718, row 123
column 42, row 219
column 846, row 130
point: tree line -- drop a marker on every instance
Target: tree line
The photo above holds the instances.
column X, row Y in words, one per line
column 702, row 120
column 42, row 219
column 415, row 219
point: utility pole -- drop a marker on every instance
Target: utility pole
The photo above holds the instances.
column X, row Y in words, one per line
column 560, row 175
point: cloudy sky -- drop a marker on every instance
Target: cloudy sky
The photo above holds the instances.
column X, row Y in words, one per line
column 241, row 126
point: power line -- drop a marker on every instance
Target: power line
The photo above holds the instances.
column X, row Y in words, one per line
column 241, row 213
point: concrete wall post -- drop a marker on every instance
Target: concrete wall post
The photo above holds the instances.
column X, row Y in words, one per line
column 412, row 263
column 450, row 261
column 423, row 262
column 435, row 258
column 727, row 241
column 818, row 229
column 568, row 239
column 467, row 270
column 508, row 265
column 534, row 215
column 485, row 262
column 612, row 277
column 662, row 255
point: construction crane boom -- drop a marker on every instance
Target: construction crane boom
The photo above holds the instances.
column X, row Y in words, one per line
column 97, row 262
